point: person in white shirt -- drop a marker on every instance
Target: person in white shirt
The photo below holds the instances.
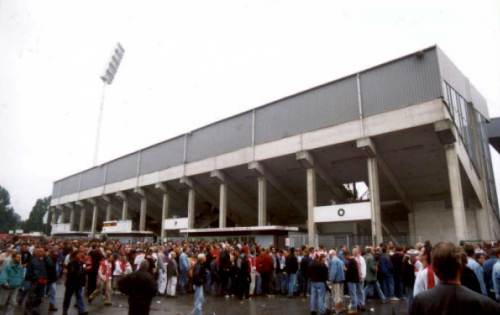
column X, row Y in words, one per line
column 139, row 257
column 424, row 280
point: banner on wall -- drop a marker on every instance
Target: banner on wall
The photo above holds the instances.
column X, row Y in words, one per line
column 343, row 212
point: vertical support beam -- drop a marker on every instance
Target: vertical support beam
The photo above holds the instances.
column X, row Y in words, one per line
column 95, row 210
column 125, row 209
column 456, row 192
column 82, row 218
column 222, row 205
column 164, row 214
column 191, row 205
column 262, row 201
column 483, row 228
column 62, row 217
column 373, row 185
column 72, row 218
column 142, row 218
column 53, row 214
column 412, row 228
column 311, row 203
column 108, row 211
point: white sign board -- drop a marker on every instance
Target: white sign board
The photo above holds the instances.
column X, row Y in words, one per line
column 60, row 228
column 121, row 226
column 176, row 224
column 343, row 212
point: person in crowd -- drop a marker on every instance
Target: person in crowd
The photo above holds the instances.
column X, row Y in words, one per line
column 75, row 282
column 95, row 257
column 140, row 286
column 475, row 266
column 52, row 276
column 449, row 297
column 122, row 268
column 183, row 271
column 318, row 274
column 253, row 273
column 397, row 263
column 360, row 260
column 243, row 270
column 172, row 274
column 353, row 280
column 279, row 272
column 386, row 270
column 104, row 278
column 371, row 281
column 304, row 277
column 426, row 278
column 488, row 272
column 495, row 276
column 468, row 278
column 336, row 278
column 199, row 277
column 291, row 268
column 11, row 279
column 37, row 275
column 408, row 274
column 265, row 268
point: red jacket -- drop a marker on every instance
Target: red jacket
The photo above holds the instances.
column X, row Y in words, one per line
column 264, row 263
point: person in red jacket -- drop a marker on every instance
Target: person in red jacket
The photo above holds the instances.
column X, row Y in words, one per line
column 264, row 264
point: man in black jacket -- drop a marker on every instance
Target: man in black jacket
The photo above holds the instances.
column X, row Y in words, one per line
column 75, row 281
column 199, row 277
column 449, row 296
column 291, row 267
column 318, row 273
column 140, row 286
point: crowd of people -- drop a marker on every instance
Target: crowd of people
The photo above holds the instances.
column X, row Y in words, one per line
column 334, row 280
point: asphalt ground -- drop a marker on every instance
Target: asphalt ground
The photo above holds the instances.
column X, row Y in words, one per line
column 183, row 305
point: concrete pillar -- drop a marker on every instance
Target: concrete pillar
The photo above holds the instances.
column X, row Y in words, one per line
column 373, row 185
column 456, row 192
column 82, row 219
column 164, row 214
column 412, row 230
column 108, row 211
column 311, row 203
column 93, row 228
column 262, row 201
column 191, row 205
column 53, row 216
column 62, row 217
column 142, row 218
column 72, row 218
column 222, row 205
column 125, row 209
column 483, row 227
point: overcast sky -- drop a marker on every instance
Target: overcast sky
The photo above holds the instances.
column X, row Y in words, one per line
column 189, row 63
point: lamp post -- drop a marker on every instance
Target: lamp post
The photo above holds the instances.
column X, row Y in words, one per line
column 107, row 79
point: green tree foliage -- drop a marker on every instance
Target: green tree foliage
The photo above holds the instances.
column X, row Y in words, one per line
column 9, row 219
column 34, row 223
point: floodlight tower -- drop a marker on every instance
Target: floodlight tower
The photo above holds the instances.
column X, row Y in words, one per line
column 107, row 79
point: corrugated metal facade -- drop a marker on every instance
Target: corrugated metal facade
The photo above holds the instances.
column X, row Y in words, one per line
column 399, row 84
column 403, row 82
column 122, row 168
column 225, row 136
column 162, row 156
column 328, row 105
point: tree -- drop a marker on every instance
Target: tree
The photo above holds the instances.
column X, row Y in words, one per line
column 34, row 223
column 9, row 219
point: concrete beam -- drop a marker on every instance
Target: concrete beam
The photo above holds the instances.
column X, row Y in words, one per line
column 124, row 199
column 373, row 186
column 444, row 131
column 367, row 146
column 306, row 160
column 262, row 171
column 456, row 192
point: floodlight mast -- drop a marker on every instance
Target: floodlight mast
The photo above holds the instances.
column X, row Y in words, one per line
column 107, row 79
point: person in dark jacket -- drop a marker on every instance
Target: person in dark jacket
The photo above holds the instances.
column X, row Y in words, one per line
column 304, row 277
column 199, row 278
column 449, row 297
column 36, row 274
column 243, row 266
column 397, row 263
column 352, row 278
column 96, row 256
column 140, row 286
column 468, row 278
column 291, row 267
column 75, row 282
column 386, row 270
column 318, row 274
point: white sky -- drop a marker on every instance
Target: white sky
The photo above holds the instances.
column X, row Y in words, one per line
column 189, row 63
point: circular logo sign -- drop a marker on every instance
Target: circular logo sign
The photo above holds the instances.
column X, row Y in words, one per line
column 341, row 212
